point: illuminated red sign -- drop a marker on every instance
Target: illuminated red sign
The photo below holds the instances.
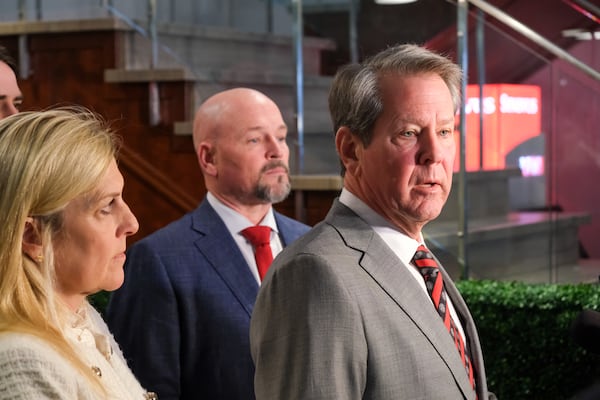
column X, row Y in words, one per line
column 511, row 116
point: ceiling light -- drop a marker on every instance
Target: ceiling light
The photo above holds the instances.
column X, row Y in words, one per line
column 394, row 1
column 581, row 34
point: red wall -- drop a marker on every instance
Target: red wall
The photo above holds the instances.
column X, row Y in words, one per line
column 571, row 121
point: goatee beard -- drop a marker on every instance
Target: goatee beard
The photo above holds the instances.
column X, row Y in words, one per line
column 277, row 192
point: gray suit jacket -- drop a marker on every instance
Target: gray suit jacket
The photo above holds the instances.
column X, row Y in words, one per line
column 338, row 317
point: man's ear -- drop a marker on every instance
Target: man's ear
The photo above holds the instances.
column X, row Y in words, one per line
column 32, row 240
column 348, row 147
column 206, row 159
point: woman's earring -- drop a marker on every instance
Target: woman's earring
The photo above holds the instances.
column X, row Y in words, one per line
column 39, row 258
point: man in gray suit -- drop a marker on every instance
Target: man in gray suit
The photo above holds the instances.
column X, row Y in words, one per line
column 345, row 313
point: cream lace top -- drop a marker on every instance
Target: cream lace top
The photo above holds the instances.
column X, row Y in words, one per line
column 31, row 369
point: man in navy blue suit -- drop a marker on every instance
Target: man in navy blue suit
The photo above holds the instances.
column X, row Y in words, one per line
column 182, row 316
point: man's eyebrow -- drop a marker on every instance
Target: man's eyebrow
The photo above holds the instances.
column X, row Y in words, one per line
column 446, row 121
column 260, row 128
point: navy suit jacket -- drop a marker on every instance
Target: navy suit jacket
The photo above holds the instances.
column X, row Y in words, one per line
column 182, row 316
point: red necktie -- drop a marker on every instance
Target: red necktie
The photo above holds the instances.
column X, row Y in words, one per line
column 260, row 237
column 434, row 282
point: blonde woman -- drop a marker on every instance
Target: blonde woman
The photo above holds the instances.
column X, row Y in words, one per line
column 62, row 238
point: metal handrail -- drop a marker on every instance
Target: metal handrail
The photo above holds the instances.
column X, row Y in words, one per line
column 588, row 9
column 535, row 37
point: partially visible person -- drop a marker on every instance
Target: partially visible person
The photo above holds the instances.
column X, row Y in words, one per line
column 10, row 94
column 358, row 308
column 62, row 238
column 589, row 393
column 183, row 314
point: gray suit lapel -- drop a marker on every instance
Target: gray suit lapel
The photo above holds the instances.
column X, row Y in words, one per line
column 380, row 262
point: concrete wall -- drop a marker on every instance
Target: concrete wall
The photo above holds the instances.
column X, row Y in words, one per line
column 243, row 15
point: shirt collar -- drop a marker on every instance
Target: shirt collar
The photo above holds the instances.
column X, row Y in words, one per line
column 403, row 245
column 236, row 222
column 81, row 330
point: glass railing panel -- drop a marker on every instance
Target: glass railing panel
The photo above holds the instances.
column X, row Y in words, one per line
column 539, row 113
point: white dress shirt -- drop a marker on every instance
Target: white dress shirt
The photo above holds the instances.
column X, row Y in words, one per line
column 236, row 222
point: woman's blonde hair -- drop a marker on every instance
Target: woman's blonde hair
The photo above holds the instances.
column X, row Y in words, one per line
column 47, row 158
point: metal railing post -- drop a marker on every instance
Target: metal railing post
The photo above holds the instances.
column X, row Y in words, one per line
column 481, row 78
column 153, row 90
column 299, row 86
column 353, row 34
column 462, row 54
column 23, row 48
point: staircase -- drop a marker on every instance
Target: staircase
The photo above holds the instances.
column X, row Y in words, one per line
column 531, row 246
column 103, row 63
column 224, row 58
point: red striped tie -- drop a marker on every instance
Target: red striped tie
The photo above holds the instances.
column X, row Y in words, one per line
column 434, row 282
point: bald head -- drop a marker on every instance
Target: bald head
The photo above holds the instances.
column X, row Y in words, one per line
column 226, row 110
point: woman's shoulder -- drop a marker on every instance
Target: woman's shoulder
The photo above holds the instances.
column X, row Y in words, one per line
column 29, row 364
column 25, row 352
column 14, row 344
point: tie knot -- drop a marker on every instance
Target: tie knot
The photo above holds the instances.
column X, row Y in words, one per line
column 423, row 258
column 258, row 235
column 422, row 252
